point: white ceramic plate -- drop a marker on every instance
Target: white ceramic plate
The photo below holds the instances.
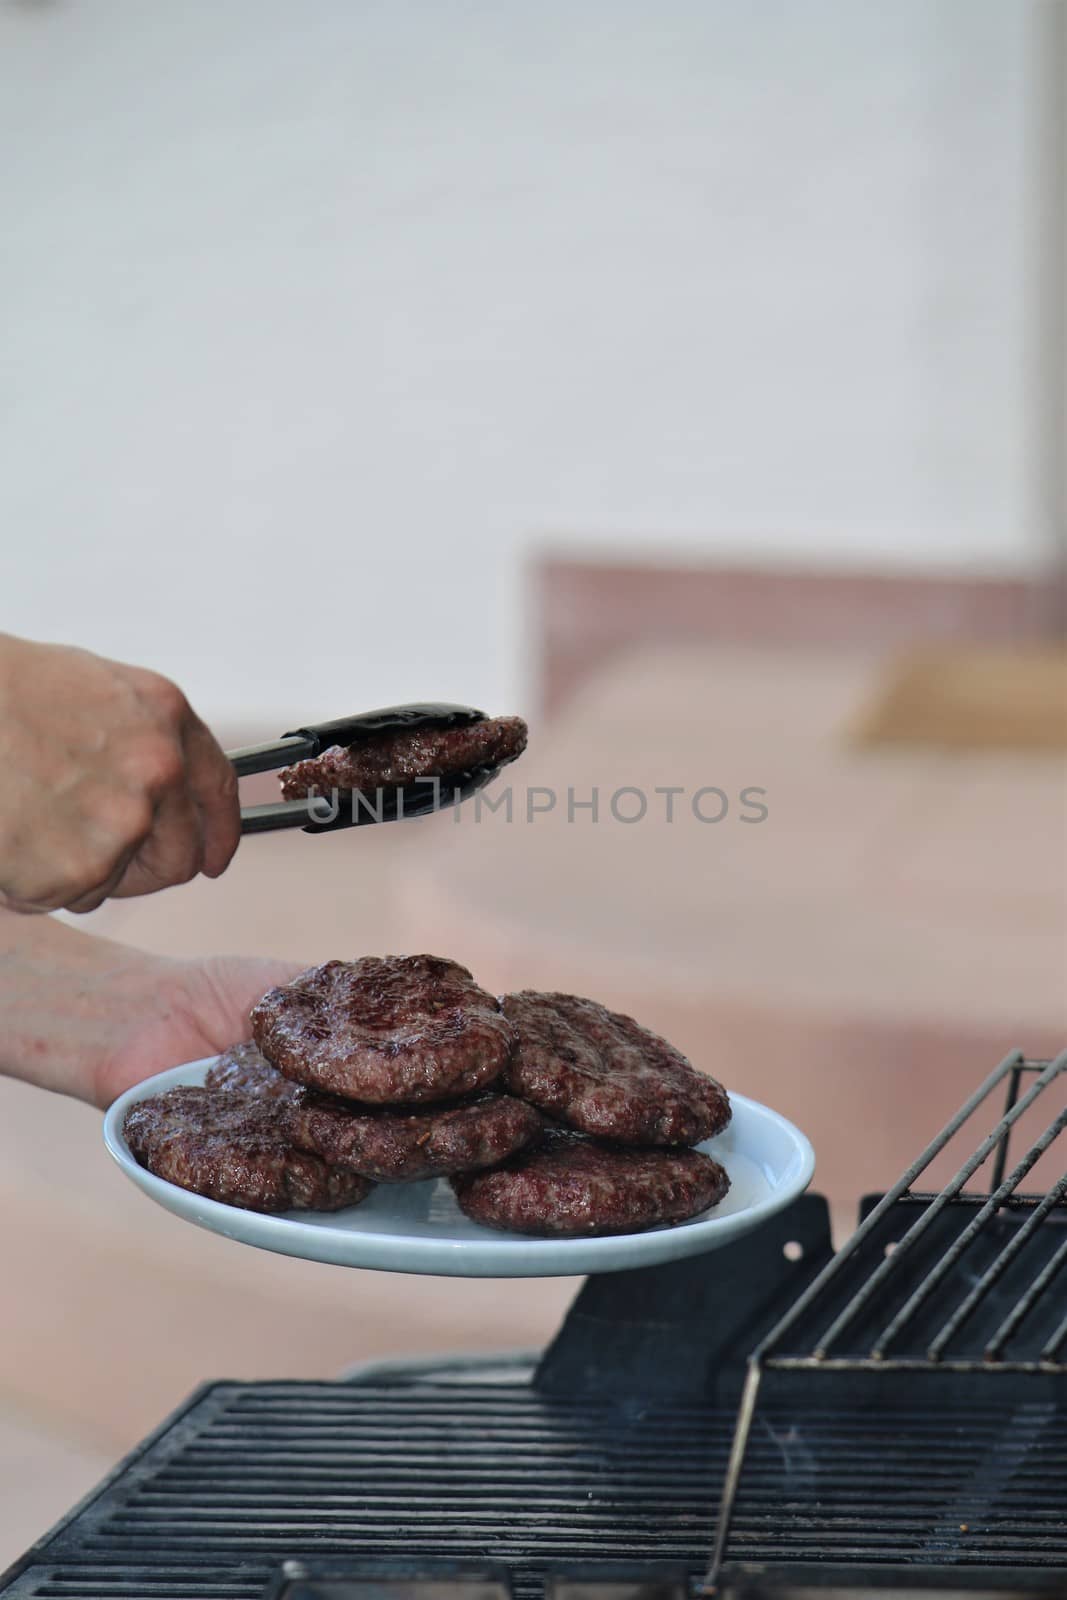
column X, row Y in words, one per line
column 417, row 1227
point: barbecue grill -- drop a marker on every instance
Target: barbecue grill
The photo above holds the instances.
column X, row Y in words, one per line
column 769, row 1420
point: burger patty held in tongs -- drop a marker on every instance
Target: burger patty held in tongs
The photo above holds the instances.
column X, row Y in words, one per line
column 388, row 765
column 401, row 755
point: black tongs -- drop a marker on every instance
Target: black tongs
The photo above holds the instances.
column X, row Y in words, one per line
column 343, row 809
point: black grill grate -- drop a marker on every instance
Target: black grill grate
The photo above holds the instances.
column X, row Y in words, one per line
column 971, row 1283
column 955, row 1298
column 253, row 1474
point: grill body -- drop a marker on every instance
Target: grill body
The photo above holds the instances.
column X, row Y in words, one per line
column 475, row 1470
column 902, row 1427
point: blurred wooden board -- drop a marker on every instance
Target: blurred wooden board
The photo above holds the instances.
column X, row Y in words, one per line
column 971, row 698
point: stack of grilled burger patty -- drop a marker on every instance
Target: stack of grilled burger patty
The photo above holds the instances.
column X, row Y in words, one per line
column 549, row 1113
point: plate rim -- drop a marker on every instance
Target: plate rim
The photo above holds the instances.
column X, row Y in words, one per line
column 492, row 1257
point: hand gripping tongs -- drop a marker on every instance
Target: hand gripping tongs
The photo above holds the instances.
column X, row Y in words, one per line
column 326, row 812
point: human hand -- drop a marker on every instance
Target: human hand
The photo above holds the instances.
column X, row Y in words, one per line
column 86, row 1017
column 111, row 783
column 194, row 1009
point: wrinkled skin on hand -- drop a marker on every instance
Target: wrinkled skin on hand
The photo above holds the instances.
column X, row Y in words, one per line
column 200, row 1009
column 89, row 1018
column 109, row 782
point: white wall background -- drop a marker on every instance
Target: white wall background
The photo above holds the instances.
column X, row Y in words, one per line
column 314, row 312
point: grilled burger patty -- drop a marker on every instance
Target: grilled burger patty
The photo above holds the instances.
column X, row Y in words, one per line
column 570, row 1185
column 394, row 1030
column 391, row 1146
column 604, row 1074
column 397, row 1146
column 405, row 754
column 231, row 1147
column 244, row 1067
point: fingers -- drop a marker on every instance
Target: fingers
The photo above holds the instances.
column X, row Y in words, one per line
column 171, row 848
column 197, row 824
column 209, row 778
column 24, row 908
column 96, row 897
column 213, row 789
column 173, row 853
column 111, row 782
column 89, row 859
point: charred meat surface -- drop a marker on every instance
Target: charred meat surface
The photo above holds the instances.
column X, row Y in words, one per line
column 233, row 1148
column 575, row 1186
column 245, row 1068
column 390, row 1030
column 394, row 1146
column 604, row 1074
column 405, row 754
column 390, row 1145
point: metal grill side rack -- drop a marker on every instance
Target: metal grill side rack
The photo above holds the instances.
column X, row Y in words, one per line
column 960, row 1290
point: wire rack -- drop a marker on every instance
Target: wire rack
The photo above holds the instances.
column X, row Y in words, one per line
column 945, row 1282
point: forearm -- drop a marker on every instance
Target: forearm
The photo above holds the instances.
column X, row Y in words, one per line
column 64, row 996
